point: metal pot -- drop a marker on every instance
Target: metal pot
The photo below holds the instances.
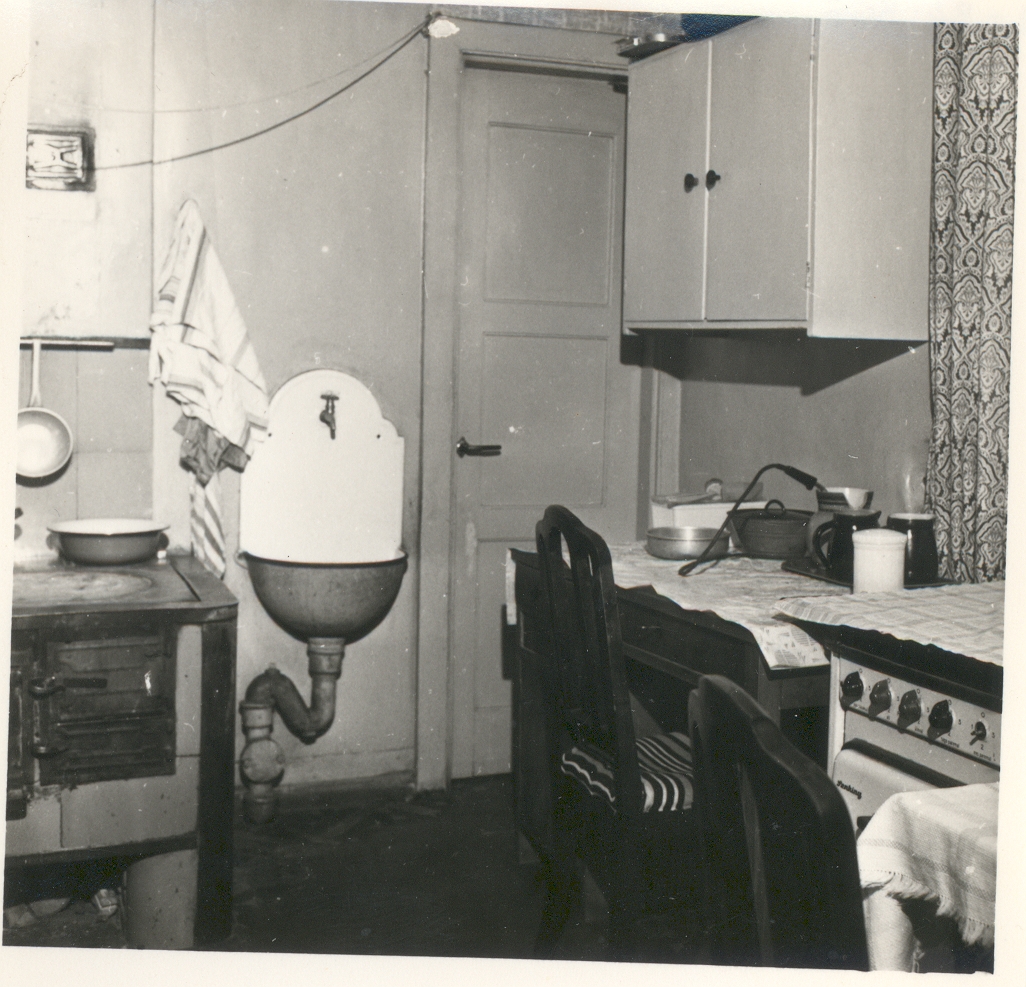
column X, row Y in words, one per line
column 686, row 543
column 772, row 532
column 108, row 541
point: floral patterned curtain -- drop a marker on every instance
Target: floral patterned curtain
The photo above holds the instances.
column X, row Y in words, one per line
column 971, row 295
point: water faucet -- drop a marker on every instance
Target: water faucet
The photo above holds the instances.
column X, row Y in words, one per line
column 328, row 414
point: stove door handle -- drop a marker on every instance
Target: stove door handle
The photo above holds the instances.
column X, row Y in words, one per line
column 42, row 688
column 48, row 750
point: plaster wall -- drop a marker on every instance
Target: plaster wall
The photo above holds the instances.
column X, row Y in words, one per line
column 87, row 260
column 319, row 227
column 851, row 412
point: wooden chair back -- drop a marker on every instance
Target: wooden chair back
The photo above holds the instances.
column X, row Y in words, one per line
column 591, row 703
column 781, row 872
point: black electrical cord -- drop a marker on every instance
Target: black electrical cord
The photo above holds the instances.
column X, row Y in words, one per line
column 805, row 479
column 400, row 45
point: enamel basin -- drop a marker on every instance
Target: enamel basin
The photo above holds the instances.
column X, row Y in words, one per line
column 345, row 600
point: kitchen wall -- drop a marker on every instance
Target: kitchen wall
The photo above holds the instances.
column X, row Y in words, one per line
column 851, row 412
column 87, row 263
column 319, row 226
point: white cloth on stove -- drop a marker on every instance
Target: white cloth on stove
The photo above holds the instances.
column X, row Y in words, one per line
column 200, row 351
column 967, row 619
column 939, row 845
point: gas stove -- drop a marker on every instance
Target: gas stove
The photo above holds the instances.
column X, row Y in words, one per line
column 906, row 716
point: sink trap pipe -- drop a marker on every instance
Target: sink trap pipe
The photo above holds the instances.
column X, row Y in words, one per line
column 262, row 762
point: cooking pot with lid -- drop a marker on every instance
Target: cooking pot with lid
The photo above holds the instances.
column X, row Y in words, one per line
column 771, row 532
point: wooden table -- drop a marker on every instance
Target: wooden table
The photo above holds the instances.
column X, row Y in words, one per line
column 58, row 798
column 667, row 649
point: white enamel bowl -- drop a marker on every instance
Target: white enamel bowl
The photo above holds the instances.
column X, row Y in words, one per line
column 108, row 541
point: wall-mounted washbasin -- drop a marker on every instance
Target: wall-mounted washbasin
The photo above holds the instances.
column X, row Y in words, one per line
column 322, row 600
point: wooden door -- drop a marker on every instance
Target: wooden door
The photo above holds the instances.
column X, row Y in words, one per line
column 664, row 235
column 759, row 143
column 538, row 368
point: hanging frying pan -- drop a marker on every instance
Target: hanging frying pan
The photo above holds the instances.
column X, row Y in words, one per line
column 44, row 438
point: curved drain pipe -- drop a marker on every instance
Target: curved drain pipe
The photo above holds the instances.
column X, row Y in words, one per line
column 262, row 762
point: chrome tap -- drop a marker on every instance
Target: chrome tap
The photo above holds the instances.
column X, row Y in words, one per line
column 328, row 414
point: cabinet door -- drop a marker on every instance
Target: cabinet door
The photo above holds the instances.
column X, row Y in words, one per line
column 758, row 239
column 873, row 180
column 664, row 224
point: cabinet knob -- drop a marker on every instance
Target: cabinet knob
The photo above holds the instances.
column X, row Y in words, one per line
column 690, row 182
column 711, row 178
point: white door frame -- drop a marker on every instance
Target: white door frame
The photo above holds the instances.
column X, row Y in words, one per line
column 481, row 43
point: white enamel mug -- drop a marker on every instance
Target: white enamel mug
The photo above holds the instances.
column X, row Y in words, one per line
column 879, row 565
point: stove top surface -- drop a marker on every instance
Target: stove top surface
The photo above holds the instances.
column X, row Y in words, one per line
column 64, row 587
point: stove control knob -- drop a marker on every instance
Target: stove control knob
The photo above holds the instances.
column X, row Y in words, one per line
column 880, row 695
column 940, row 716
column 979, row 731
column 909, row 709
column 852, row 688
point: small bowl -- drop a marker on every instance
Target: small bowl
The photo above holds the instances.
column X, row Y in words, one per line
column 834, row 498
column 686, row 543
column 108, row 541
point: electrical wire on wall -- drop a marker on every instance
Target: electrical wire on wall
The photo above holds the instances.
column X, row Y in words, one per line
column 393, row 50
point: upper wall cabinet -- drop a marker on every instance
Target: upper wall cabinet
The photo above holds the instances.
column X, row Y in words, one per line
column 778, row 176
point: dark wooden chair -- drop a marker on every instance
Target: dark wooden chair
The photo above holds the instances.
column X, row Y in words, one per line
column 622, row 804
column 781, row 873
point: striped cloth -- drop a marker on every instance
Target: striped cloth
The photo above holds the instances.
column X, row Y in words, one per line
column 201, row 352
column 205, row 529
column 667, row 774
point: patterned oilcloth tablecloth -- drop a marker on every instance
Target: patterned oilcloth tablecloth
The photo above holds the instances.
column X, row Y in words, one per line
column 939, row 845
column 742, row 590
column 967, row 619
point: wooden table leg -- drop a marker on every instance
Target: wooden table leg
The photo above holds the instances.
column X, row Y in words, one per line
column 216, row 784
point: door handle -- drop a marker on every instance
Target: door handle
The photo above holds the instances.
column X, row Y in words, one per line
column 711, row 178
column 464, row 448
column 690, row 182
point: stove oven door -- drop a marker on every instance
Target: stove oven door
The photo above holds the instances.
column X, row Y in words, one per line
column 866, row 777
column 104, row 708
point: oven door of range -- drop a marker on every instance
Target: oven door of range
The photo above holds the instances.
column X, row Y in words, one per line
column 900, row 736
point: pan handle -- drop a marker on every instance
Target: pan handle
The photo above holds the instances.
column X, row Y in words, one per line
column 35, row 400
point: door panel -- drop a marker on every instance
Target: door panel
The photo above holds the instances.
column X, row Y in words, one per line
column 542, row 427
column 549, row 215
column 538, row 366
column 758, row 246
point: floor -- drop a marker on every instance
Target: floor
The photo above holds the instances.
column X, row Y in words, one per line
column 386, row 872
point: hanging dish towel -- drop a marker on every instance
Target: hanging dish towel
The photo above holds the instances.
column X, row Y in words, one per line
column 201, row 352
